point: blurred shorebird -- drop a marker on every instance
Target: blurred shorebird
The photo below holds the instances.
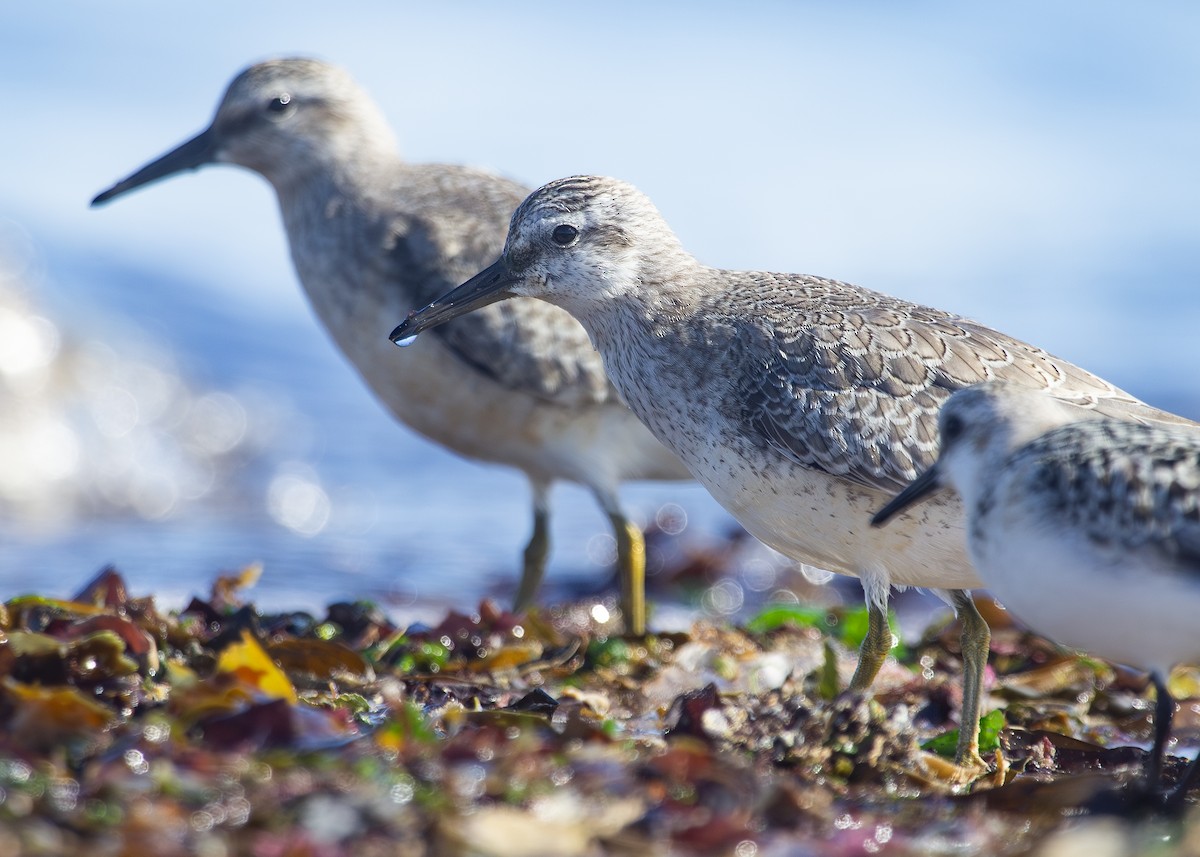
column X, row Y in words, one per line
column 371, row 237
column 1087, row 528
column 801, row 403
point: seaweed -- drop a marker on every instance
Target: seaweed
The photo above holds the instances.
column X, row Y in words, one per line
column 223, row 728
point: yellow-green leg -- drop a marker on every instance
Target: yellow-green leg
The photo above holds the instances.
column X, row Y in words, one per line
column 975, row 640
column 631, row 569
column 1164, row 713
column 875, row 647
column 536, row 552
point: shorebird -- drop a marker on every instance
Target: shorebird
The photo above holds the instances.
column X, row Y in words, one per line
column 371, row 236
column 801, row 403
column 1087, row 528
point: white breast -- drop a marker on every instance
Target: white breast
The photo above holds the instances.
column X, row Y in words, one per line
column 1124, row 606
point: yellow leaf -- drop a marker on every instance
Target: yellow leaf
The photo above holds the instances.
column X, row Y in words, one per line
column 247, row 662
column 43, row 717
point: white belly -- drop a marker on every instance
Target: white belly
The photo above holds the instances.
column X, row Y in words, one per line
column 825, row 521
column 1107, row 604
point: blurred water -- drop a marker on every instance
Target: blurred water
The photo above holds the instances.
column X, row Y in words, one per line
column 1032, row 166
column 327, row 491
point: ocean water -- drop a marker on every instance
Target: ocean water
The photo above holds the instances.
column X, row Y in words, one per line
column 295, row 466
column 170, row 406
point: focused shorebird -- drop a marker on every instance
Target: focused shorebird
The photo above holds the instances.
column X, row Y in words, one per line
column 1087, row 528
column 371, row 237
column 801, row 403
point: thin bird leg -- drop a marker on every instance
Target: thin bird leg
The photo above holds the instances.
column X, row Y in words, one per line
column 536, row 552
column 875, row 646
column 631, row 568
column 975, row 640
column 1164, row 713
column 1175, row 799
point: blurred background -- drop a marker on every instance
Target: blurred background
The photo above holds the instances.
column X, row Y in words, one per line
column 168, row 404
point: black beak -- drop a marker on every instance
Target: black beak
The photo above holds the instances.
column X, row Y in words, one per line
column 921, row 488
column 488, row 286
column 195, row 153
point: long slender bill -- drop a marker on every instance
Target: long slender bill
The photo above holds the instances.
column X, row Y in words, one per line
column 191, row 155
column 921, row 488
column 488, row 286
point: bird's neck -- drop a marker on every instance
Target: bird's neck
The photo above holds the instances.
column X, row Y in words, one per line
column 352, row 171
column 638, row 333
column 347, row 160
column 638, row 296
column 337, row 227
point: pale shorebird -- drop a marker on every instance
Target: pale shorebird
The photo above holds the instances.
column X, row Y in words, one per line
column 371, row 237
column 801, row 403
column 1087, row 528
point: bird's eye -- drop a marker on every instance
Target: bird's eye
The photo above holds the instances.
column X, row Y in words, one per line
column 281, row 103
column 952, row 428
column 564, row 235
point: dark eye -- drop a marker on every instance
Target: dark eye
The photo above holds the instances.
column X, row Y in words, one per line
column 952, row 428
column 281, row 103
column 564, row 234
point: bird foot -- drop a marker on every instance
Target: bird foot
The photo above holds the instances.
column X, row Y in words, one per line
column 939, row 770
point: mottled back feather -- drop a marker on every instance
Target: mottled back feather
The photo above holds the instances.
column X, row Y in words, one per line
column 1135, row 487
column 847, row 380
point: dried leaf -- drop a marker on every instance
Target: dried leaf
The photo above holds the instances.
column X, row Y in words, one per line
column 1067, row 676
column 320, row 660
column 247, row 661
column 45, row 717
column 106, row 589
